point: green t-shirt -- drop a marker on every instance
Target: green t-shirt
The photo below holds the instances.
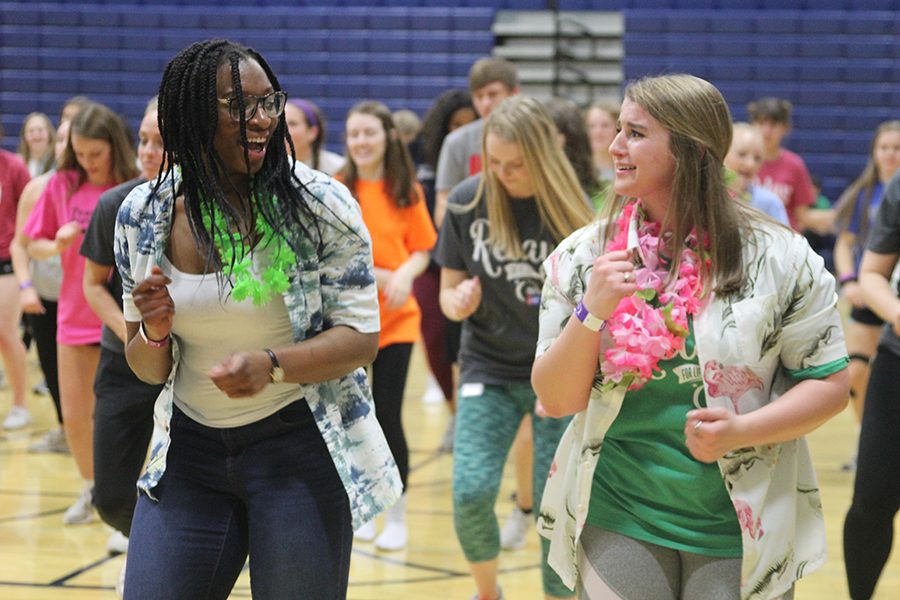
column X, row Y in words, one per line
column 647, row 485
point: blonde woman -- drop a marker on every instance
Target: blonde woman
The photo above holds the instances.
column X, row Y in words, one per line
column 500, row 226
column 856, row 210
column 36, row 141
column 705, row 343
column 98, row 155
column 39, row 282
column 601, row 120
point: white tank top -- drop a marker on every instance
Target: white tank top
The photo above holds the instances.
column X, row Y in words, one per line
column 208, row 329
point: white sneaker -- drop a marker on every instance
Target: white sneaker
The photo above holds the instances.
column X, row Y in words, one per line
column 366, row 533
column 17, row 418
column 513, row 534
column 120, row 582
column 83, row 510
column 394, row 535
column 392, row 538
column 117, row 544
column 433, row 392
column 52, row 441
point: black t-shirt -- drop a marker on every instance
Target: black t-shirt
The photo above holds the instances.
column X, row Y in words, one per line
column 98, row 247
column 885, row 239
column 499, row 339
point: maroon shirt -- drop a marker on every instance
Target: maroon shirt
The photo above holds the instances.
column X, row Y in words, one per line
column 787, row 178
column 13, row 177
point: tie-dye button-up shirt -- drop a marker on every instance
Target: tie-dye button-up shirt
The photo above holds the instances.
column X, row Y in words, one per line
column 333, row 284
column 781, row 327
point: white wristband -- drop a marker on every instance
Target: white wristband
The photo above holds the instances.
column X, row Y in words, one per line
column 590, row 321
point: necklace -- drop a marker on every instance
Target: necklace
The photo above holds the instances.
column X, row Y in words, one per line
column 652, row 324
column 237, row 257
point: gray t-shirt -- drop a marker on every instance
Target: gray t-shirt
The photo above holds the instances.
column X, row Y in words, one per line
column 460, row 156
column 98, row 247
column 885, row 239
column 498, row 340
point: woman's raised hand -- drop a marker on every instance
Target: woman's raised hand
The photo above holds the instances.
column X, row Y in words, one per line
column 611, row 279
column 151, row 297
column 66, row 235
column 399, row 287
column 466, row 298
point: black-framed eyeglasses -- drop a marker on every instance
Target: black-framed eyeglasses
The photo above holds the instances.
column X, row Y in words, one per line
column 272, row 104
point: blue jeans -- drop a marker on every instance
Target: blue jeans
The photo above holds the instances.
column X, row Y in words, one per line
column 269, row 488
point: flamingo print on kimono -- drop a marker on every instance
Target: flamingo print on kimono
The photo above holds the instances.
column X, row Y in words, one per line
column 751, row 526
column 730, row 381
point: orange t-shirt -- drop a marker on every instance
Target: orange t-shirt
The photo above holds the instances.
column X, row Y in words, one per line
column 396, row 234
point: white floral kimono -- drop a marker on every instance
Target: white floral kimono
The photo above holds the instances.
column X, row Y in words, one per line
column 333, row 283
column 781, row 328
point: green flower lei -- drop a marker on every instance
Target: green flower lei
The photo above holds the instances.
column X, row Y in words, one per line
column 237, row 258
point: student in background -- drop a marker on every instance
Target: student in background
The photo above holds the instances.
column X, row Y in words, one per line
column 98, row 156
column 743, row 160
column 869, row 527
column 491, row 81
column 856, row 211
column 601, row 119
column 499, row 227
column 784, row 172
column 13, row 179
column 123, row 413
column 577, row 146
column 306, row 128
column 408, row 125
column 36, row 142
column 39, row 284
column 381, row 176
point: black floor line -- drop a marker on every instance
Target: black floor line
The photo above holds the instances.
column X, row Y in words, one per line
column 73, row 586
column 62, row 580
column 426, row 484
column 8, row 492
column 411, row 565
column 432, row 457
column 38, row 515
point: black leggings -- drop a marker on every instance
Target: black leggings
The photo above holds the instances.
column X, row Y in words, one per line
column 123, row 424
column 869, row 528
column 388, row 384
column 43, row 332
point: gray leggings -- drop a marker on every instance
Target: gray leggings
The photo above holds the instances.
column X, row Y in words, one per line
column 617, row 567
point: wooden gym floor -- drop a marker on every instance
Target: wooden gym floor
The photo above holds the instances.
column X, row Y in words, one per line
column 40, row 559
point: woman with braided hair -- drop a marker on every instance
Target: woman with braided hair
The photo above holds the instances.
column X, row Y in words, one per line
column 249, row 292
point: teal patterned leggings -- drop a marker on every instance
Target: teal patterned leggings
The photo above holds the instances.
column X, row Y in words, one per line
column 486, row 423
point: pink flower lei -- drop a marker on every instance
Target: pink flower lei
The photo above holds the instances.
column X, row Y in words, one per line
column 652, row 324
